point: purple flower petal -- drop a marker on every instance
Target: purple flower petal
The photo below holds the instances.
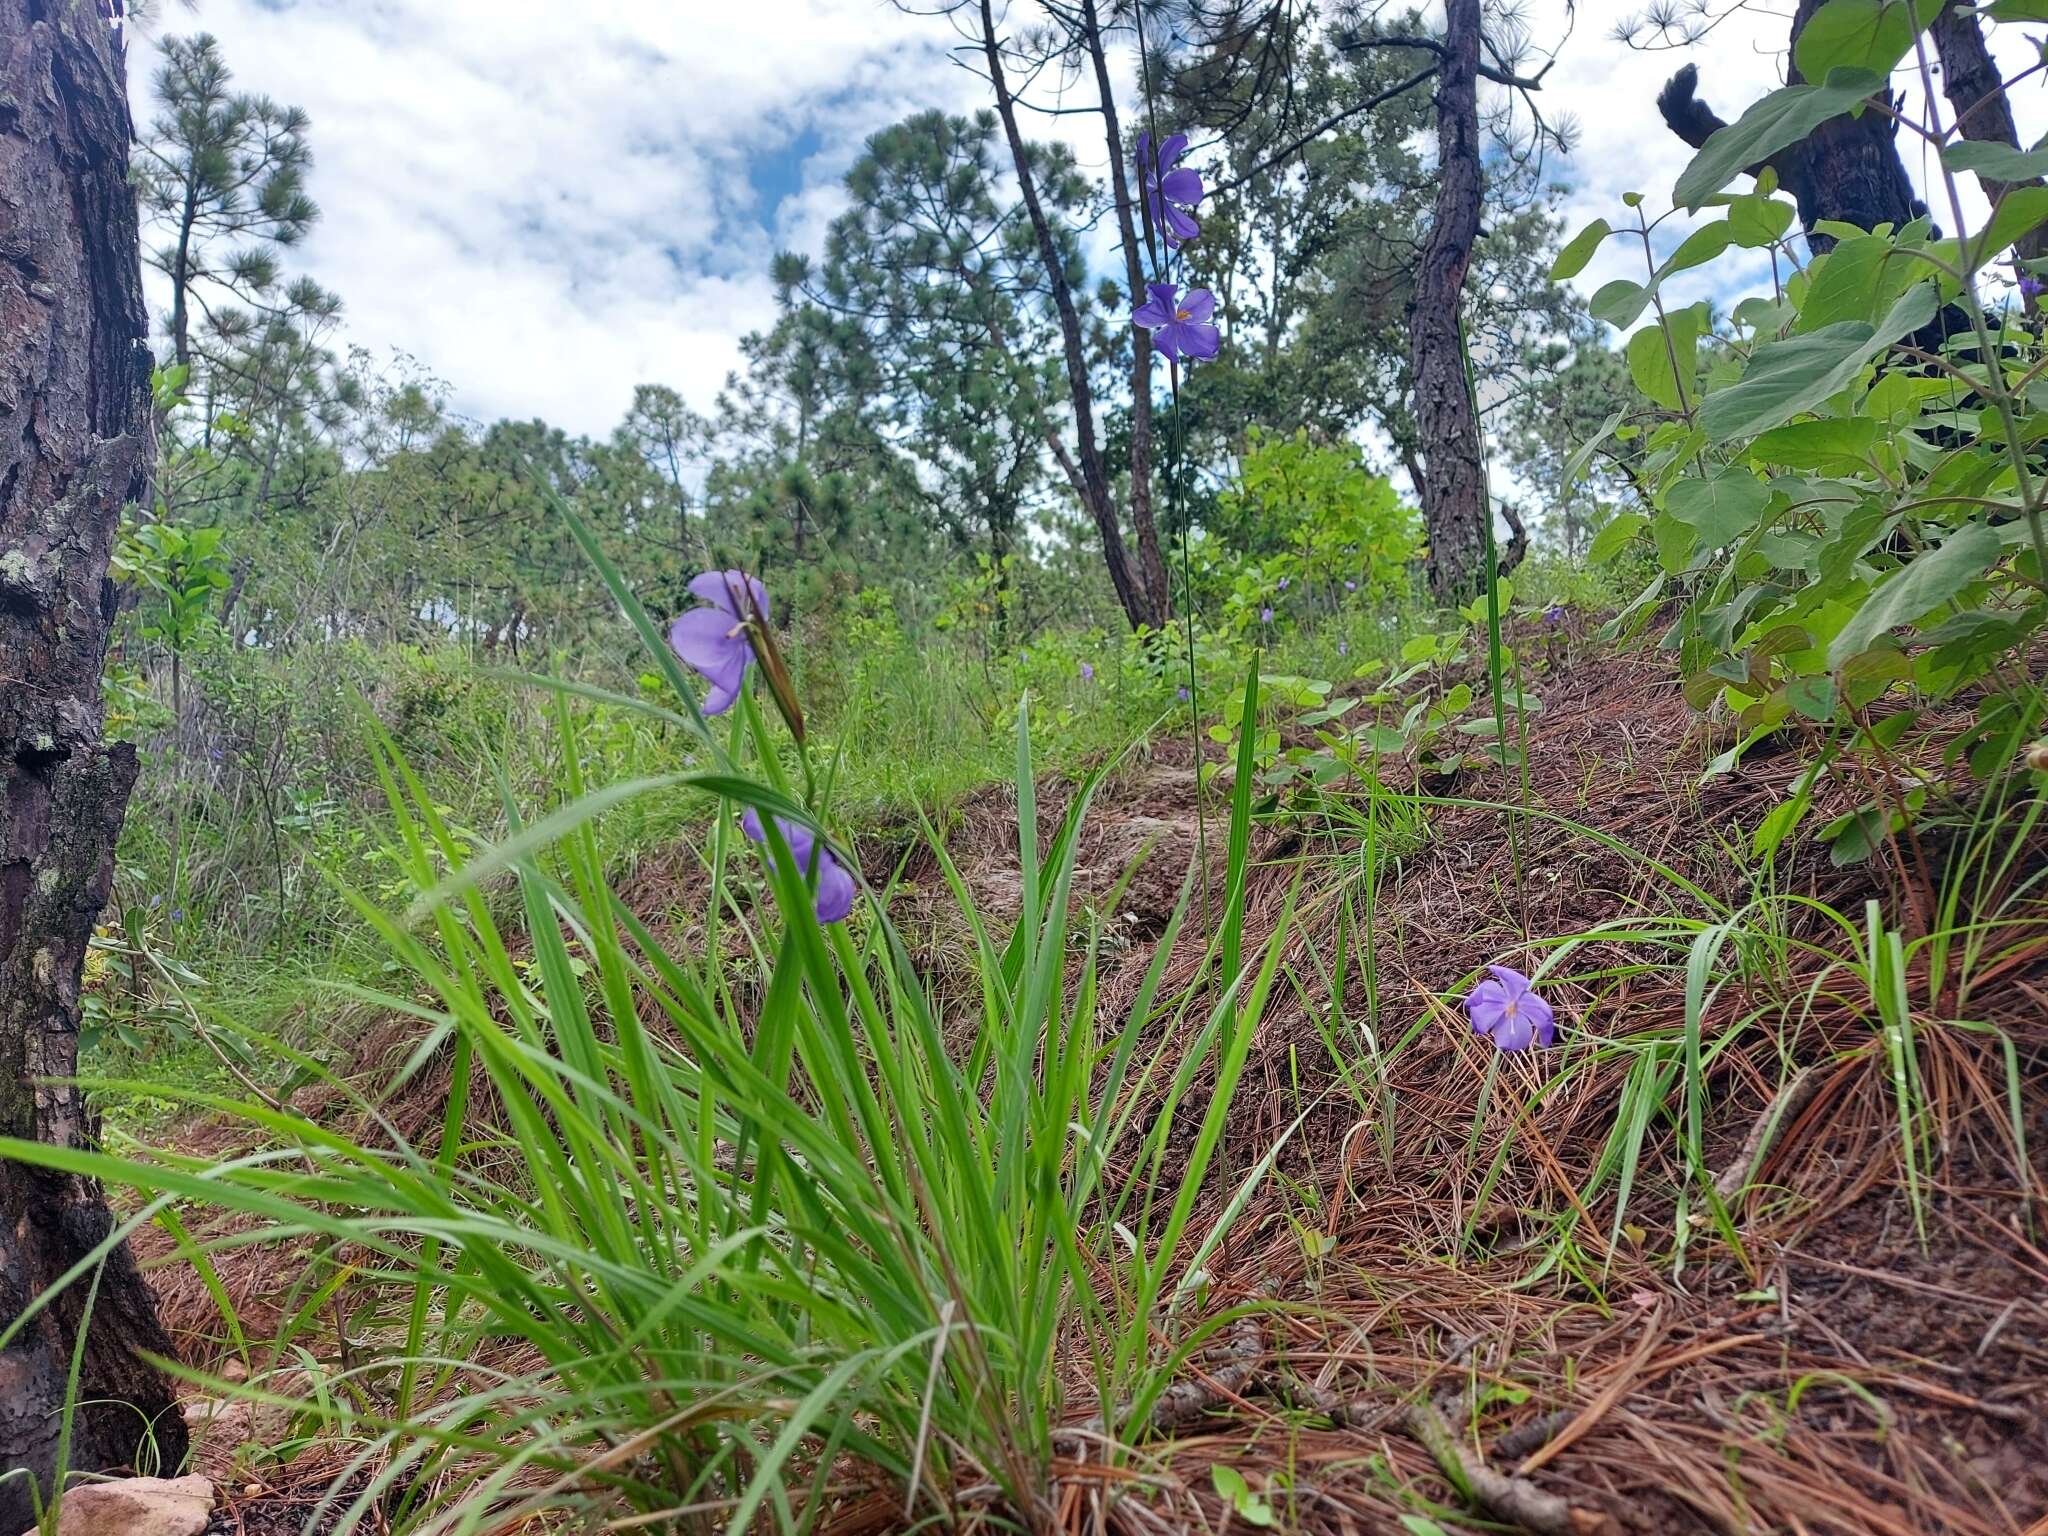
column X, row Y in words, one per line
column 1506, row 1009
column 1151, row 316
column 835, row 890
column 1512, row 981
column 1197, row 307
column 722, row 694
column 1171, row 148
column 1192, row 340
column 1183, row 187
column 704, row 639
column 723, row 589
column 1180, row 227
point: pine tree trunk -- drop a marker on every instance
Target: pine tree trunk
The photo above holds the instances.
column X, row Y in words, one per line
column 1151, row 562
column 1453, row 491
column 1084, row 468
column 75, row 445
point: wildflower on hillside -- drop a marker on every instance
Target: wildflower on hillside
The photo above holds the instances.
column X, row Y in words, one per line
column 1283, row 583
column 1350, row 586
column 835, row 885
column 1180, row 326
column 1554, row 615
column 1266, row 614
column 713, row 641
column 1182, row 691
column 1506, row 1008
column 1087, row 671
column 1172, row 194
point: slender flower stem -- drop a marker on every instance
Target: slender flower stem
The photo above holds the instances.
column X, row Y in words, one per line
column 1177, row 504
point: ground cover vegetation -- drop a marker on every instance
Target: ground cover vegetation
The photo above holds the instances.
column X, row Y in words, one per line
column 1199, row 860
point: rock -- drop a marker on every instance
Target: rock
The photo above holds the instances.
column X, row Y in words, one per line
column 214, row 1423
column 136, row 1506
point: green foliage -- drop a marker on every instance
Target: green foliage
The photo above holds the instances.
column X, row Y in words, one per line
column 184, row 572
column 1852, row 527
column 790, row 1216
column 1312, row 512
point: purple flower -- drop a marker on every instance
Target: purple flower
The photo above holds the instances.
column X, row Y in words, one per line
column 713, row 640
column 1554, row 614
column 1171, row 194
column 177, row 914
column 1507, row 1008
column 1283, row 583
column 1266, row 614
column 1350, row 586
column 1183, row 692
column 835, row 885
column 1180, row 326
column 1087, row 671
column 2033, row 287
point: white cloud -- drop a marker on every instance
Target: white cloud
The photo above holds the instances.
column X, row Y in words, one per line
column 548, row 204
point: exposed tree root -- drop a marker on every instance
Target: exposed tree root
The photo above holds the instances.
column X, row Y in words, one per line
column 1513, row 1499
column 1791, row 1100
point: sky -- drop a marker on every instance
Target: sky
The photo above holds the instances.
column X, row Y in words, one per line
column 548, row 204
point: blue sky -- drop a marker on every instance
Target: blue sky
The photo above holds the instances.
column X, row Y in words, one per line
column 547, row 204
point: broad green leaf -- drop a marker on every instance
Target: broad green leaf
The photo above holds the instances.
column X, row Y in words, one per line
column 1571, row 261
column 1870, row 35
column 1651, row 351
column 2018, row 10
column 1917, row 588
column 1614, row 536
column 1698, row 248
column 1869, row 673
column 1862, row 530
column 1619, row 303
column 1787, row 377
column 1720, row 510
column 1782, row 118
column 1813, row 697
column 1858, row 280
column 1829, row 443
column 2020, row 212
column 1998, row 162
column 1575, row 466
column 1755, row 221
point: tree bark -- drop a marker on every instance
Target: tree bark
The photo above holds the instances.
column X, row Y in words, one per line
column 75, row 445
column 1847, row 170
column 1092, row 481
column 1453, row 491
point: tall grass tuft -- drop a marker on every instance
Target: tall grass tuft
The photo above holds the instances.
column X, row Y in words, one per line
column 716, row 1230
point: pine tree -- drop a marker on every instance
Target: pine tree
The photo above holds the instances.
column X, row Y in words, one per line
column 223, row 180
